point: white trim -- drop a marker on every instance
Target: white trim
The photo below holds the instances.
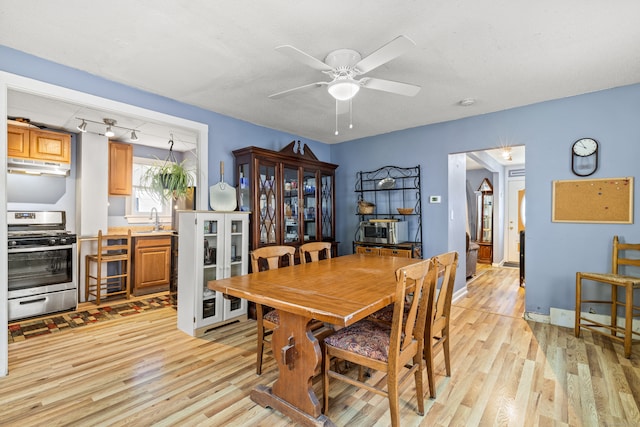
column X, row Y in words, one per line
column 567, row 318
column 15, row 82
column 459, row 294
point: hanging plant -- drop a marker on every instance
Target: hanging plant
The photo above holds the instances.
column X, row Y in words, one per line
column 169, row 180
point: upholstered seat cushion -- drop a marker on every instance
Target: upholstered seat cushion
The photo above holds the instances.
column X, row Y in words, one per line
column 273, row 316
column 366, row 337
column 384, row 314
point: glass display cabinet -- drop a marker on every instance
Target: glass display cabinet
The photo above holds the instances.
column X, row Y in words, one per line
column 211, row 246
column 290, row 195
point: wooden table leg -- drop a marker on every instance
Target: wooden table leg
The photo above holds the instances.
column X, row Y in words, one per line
column 297, row 353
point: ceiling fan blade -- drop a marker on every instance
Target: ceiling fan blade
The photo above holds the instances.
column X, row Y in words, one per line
column 405, row 89
column 386, row 53
column 303, row 57
column 297, row 89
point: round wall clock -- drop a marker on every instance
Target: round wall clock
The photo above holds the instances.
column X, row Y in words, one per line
column 584, row 156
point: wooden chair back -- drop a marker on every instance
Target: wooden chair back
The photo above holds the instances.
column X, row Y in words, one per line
column 437, row 330
column 111, row 248
column 408, row 326
column 272, row 255
column 313, row 250
column 620, row 249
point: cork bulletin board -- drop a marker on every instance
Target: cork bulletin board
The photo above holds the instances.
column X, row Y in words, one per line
column 607, row 200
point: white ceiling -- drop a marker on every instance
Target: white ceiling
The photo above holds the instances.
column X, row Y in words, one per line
column 220, row 55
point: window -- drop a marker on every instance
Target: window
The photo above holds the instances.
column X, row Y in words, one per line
column 140, row 203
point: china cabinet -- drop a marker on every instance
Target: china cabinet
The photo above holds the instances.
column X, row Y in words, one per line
column 211, row 246
column 390, row 193
column 290, row 192
column 485, row 229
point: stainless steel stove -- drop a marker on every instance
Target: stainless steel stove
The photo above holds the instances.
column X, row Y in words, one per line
column 41, row 256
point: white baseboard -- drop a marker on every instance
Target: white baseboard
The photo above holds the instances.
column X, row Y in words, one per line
column 567, row 318
column 461, row 293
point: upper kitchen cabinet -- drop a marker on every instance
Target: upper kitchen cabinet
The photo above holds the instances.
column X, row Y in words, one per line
column 36, row 144
column 120, row 168
column 290, row 194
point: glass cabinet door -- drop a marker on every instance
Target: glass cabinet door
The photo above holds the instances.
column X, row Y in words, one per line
column 326, row 207
column 290, row 204
column 268, row 215
column 212, row 270
column 309, row 203
column 244, row 188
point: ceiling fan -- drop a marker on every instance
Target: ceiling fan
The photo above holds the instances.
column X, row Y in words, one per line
column 344, row 65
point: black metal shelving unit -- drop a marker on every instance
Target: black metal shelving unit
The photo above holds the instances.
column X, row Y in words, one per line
column 405, row 193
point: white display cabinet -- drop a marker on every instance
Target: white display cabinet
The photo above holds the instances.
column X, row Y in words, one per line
column 211, row 246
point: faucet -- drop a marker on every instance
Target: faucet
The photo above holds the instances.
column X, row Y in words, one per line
column 157, row 223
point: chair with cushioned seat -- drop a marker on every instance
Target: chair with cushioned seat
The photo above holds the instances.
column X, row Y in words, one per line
column 437, row 326
column 389, row 348
column 269, row 258
column 616, row 281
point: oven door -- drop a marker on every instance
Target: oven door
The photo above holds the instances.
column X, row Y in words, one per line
column 33, row 271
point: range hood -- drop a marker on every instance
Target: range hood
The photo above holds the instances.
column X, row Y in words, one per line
column 37, row 167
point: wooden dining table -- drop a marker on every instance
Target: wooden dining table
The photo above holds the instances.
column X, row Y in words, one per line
column 339, row 291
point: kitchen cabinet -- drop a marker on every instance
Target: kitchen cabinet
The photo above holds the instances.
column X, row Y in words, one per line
column 120, row 168
column 151, row 264
column 36, row 144
column 290, row 192
column 211, row 246
column 390, row 193
column 485, row 238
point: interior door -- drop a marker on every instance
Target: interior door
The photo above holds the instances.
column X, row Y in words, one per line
column 516, row 189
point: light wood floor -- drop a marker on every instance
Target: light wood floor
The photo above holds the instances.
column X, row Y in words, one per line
column 142, row 371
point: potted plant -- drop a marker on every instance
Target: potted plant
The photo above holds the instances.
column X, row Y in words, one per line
column 168, row 181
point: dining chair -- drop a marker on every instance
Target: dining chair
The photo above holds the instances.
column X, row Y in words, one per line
column 437, row 331
column 389, row 348
column 269, row 258
column 314, row 250
column 112, row 267
column 437, row 326
column 621, row 256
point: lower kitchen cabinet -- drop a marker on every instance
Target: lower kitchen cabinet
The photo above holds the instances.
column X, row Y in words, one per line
column 151, row 264
column 211, row 246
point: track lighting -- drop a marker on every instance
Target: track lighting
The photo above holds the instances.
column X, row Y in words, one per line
column 109, row 131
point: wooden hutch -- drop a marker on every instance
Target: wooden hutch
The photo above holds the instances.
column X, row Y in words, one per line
column 290, row 195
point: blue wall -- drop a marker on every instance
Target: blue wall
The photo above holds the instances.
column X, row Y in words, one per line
column 555, row 251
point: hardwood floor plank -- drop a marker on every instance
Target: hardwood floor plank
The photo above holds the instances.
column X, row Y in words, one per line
column 142, row 371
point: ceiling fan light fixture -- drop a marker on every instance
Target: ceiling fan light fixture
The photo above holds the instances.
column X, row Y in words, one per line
column 343, row 90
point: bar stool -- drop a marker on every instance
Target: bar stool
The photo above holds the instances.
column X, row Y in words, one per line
column 112, row 265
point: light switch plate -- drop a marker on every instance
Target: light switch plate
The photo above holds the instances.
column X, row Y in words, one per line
column 434, row 199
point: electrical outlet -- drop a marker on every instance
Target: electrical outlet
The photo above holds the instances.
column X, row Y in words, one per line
column 592, row 310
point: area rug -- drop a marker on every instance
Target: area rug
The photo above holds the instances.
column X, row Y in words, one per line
column 29, row 329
